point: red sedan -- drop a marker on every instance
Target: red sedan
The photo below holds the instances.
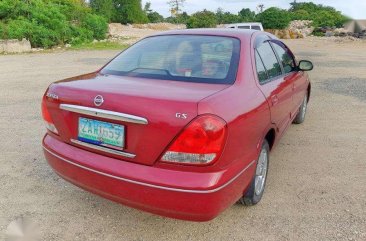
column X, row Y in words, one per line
column 181, row 123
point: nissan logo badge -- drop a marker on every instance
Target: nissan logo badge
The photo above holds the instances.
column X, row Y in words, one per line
column 98, row 100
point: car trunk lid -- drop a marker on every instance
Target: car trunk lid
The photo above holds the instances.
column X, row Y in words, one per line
column 155, row 111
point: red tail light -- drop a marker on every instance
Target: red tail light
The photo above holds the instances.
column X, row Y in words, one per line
column 200, row 143
column 47, row 118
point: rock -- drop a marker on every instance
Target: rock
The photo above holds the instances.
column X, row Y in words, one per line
column 67, row 45
column 15, row 46
column 329, row 34
column 37, row 49
column 301, row 28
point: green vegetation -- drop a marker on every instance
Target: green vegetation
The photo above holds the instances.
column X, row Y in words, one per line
column 247, row 15
column 322, row 16
column 99, row 46
column 204, row 19
column 274, row 18
column 47, row 23
column 154, row 17
column 271, row 18
column 120, row 11
column 129, row 11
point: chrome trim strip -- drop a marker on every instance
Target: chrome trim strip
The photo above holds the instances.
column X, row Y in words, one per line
column 104, row 149
column 151, row 185
column 112, row 115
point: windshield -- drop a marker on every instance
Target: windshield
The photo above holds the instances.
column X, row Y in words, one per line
column 193, row 58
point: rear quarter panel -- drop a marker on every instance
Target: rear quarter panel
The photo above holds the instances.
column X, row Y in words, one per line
column 245, row 110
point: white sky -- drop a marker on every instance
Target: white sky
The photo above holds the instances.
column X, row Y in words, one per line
column 353, row 8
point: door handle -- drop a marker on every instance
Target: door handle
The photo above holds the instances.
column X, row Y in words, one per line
column 274, row 100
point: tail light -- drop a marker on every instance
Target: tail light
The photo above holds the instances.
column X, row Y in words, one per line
column 47, row 118
column 200, row 143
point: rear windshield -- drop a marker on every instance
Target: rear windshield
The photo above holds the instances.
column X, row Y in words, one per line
column 202, row 59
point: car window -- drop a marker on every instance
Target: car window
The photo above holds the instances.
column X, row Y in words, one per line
column 269, row 59
column 261, row 71
column 192, row 58
column 256, row 27
column 244, row 27
column 286, row 58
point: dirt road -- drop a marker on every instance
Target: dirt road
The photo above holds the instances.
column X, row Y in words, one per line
column 316, row 188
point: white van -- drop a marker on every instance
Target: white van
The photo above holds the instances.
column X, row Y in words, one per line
column 254, row 26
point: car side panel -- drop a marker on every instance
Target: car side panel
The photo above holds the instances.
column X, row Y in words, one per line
column 247, row 114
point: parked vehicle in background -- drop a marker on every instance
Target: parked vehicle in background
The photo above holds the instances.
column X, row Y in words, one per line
column 253, row 26
column 180, row 124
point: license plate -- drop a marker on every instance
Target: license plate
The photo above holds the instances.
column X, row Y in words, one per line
column 101, row 133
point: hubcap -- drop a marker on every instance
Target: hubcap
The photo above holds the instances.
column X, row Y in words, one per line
column 261, row 172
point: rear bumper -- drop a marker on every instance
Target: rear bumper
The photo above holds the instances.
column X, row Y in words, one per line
column 176, row 194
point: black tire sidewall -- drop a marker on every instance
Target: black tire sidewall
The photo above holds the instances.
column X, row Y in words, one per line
column 250, row 197
column 300, row 117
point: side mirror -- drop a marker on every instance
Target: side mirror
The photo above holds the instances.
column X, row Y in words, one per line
column 305, row 65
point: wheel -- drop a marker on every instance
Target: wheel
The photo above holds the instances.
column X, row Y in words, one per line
column 256, row 189
column 300, row 117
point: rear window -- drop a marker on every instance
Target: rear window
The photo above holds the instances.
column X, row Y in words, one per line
column 192, row 58
column 256, row 27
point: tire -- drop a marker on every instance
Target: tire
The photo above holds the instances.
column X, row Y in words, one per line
column 255, row 192
column 300, row 117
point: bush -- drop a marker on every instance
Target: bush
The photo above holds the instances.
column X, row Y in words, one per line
column 300, row 15
column 155, row 17
column 182, row 18
column 3, row 30
column 47, row 23
column 226, row 18
column 81, row 35
column 20, row 28
column 204, row 19
column 326, row 18
column 97, row 24
column 274, row 18
column 322, row 16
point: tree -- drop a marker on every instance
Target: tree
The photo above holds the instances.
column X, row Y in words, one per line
column 203, row 19
column 225, row 17
column 260, row 8
column 176, row 6
column 147, row 8
column 182, row 18
column 155, row 17
column 129, row 11
column 246, row 15
column 274, row 18
column 104, row 8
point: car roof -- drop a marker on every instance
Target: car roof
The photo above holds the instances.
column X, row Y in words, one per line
column 226, row 32
column 249, row 23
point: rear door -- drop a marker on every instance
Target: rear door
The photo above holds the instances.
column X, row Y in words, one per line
column 273, row 83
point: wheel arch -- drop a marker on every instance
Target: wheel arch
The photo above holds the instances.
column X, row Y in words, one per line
column 309, row 91
column 270, row 137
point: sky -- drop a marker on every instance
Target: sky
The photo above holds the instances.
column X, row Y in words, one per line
column 355, row 9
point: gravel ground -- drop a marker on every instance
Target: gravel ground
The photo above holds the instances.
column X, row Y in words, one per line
column 316, row 187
